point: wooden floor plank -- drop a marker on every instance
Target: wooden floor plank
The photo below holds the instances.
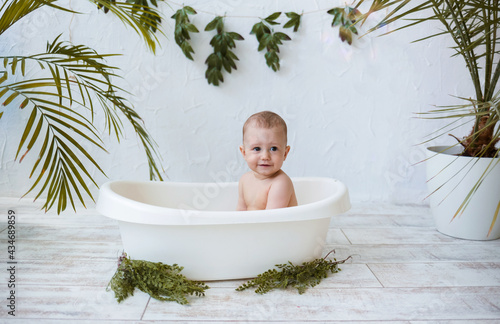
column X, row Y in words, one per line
column 62, row 272
column 381, row 220
column 382, row 208
column 445, row 274
column 402, row 271
column 397, row 235
column 57, row 251
column 418, row 253
column 68, row 233
column 368, row 304
column 350, row 276
column 75, row 303
column 336, row 236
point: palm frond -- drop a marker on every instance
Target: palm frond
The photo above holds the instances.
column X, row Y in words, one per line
column 473, row 26
column 76, row 80
column 14, row 10
column 143, row 19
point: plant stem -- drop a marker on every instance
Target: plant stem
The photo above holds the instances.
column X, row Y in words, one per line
column 489, row 54
column 466, row 51
column 496, row 75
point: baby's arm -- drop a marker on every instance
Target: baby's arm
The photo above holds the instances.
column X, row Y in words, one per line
column 280, row 193
column 241, row 200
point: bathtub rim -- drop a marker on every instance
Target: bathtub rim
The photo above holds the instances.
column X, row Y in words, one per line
column 116, row 206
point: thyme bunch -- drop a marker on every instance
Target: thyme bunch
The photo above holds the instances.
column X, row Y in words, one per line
column 301, row 277
column 161, row 281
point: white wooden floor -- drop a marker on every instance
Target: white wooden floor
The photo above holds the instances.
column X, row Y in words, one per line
column 402, row 271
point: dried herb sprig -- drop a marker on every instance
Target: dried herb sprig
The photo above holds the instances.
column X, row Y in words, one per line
column 346, row 18
column 182, row 29
column 270, row 40
column 301, row 277
column 161, row 281
column 222, row 56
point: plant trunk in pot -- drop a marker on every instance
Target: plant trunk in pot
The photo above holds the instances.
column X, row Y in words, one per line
column 450, row 179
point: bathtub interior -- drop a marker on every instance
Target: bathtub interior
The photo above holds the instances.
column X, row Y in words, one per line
column 212, row 196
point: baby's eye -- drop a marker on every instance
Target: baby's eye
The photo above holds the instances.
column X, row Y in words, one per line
column 274, row 149
column 256, row 149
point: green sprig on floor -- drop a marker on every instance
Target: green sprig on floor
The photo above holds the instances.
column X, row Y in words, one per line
column 301, row 277
column 161, row 281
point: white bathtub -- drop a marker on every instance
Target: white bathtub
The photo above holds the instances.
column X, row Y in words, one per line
column 195, row 225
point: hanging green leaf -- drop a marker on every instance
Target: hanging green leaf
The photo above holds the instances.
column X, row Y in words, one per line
column 271, row 18
column 223, row 56
column 346, row 18
column 293, row 22
column 216, row 23
column 182, row 29
column 269, row 40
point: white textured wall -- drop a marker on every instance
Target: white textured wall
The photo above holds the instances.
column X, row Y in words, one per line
column 349, row 109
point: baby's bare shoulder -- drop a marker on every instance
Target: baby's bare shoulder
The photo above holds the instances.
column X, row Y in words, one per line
column 245, row 177
column 283, row 180
column 244, row 180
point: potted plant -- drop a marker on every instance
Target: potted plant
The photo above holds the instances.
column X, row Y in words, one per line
column 69, row 82
column 464, row 178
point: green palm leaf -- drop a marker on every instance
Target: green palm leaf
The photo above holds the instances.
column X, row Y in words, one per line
column 76, row 80
column 473, row 26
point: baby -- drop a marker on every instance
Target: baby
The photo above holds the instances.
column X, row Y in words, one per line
column 264, row 149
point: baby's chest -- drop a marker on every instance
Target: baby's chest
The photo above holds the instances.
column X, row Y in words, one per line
column 257, row 196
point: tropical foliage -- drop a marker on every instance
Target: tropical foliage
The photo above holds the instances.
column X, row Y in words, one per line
column 72, row 82
column 473, row 25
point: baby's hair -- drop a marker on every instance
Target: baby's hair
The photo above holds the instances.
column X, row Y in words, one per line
column 265, row 119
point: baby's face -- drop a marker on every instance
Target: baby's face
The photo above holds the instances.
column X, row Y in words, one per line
column 264, row 150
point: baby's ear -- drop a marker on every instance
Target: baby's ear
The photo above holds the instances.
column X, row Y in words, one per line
column 242, row 150
column 287, row 149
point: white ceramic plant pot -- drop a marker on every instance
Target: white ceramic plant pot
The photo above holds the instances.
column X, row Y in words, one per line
column 455, row 176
